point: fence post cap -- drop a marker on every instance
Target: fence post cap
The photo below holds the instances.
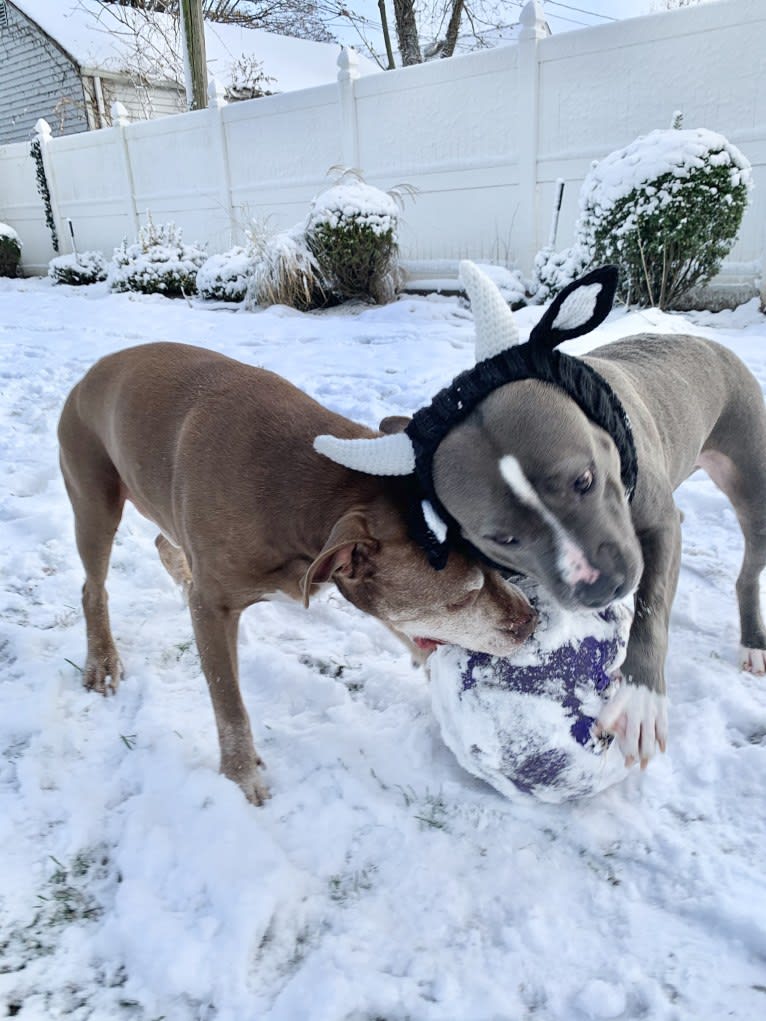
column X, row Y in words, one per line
column 43, row 129
column 532, row 21
column 216, row 94
column 348, row 64
column 120, row 115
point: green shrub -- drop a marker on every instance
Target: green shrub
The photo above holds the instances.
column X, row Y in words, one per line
column 554, row 270
column 78, row 269
column 223, row 277
column 10, row 251
column 352, row 233
column 666, row 209
column 157, row 263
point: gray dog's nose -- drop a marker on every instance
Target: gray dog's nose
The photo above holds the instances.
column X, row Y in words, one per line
column 612, row 583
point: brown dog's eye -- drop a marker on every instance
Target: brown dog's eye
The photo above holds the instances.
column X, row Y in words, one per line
column 583, row 482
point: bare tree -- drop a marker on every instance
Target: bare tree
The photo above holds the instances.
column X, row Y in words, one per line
column 299, row 18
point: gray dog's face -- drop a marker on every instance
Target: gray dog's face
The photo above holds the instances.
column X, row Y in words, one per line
column 536, row 486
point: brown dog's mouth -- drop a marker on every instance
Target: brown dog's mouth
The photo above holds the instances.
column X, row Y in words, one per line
column 427, row 644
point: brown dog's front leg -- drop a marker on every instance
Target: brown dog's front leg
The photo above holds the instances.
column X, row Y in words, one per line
column 215, row 629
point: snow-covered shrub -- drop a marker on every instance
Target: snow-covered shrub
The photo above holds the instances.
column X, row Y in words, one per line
column 666, row 209
column 157, row 263
column 510, row 282
column 553, row 270
column 223, row 277
column 78, row 268
column 283, row 271
column 352, row 233
column 10, row 251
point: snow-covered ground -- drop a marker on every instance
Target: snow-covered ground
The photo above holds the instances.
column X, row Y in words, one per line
column 381, row 882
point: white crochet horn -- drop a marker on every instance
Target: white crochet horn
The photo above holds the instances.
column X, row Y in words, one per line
column 493, row 319
column 384, row 455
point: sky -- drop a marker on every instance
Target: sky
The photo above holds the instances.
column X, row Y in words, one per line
column 562, row 15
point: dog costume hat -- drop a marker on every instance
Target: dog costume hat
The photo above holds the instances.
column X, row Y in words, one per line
column 501, row 358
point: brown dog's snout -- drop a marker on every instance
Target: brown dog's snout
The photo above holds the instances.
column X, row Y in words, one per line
column 522, row 623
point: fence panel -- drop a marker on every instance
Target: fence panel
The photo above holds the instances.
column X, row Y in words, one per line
column 483, row 138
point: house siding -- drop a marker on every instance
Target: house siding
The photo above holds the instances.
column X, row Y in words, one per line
column 37, row 79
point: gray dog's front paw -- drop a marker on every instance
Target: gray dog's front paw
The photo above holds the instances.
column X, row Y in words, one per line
column 638, row 717
column 752, row 660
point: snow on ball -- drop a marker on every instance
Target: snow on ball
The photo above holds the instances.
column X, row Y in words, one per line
column 525, row 723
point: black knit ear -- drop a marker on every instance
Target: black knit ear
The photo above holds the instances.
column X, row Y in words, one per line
column 578, row 309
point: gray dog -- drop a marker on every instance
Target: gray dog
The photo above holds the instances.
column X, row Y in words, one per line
column 564, row 469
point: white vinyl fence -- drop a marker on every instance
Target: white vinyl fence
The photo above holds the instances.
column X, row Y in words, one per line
column 482, row 137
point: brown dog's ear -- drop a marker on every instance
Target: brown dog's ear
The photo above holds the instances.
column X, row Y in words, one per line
column 394, row 424
column 350, row 535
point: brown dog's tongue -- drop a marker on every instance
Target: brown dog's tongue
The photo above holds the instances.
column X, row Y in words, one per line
column 427, row 644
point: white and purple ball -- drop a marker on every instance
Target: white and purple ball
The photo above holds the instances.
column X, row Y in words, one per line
column 526, row 723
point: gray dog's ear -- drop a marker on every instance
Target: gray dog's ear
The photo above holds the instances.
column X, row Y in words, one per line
column 578, row 309
column 394, row 424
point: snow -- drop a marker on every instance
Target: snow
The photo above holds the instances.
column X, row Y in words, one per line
column 353, row 202
column 9, row 232
column 380, row 881
column 97, row 41
column 678, row 152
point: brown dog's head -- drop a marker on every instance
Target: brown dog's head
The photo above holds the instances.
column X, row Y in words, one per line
column 379, row 569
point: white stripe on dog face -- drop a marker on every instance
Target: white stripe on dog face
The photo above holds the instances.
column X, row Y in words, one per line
column 572, row 561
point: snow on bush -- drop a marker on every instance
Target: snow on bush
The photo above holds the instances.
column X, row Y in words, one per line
column 553, row 270
column 352, row 233
column 283, row 271
column 157, row 263
column 78, row 268
column 223, row 277
column 10, row 251
column 510, row 282
column 666, row 209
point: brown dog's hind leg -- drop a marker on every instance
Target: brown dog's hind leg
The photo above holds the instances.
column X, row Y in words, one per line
column 175, row 563
column 97, row 497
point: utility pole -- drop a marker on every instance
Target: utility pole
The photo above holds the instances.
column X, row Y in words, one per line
column 195, row 63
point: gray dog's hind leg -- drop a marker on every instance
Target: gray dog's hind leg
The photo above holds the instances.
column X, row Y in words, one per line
column 739, row 469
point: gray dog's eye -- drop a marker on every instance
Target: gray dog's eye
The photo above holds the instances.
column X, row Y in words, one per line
column 503, row 540
column 583, row 482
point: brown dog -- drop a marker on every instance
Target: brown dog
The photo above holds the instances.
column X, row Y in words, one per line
column 219, row 456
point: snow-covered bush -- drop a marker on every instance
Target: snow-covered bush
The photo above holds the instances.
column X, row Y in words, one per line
column 10, row 251
column 553, row 270
column 283, row 271
column 510, row 282
column 78, row 268
column 666, row 209
column 352, row 233
column 223, row 277
column 157, row 263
